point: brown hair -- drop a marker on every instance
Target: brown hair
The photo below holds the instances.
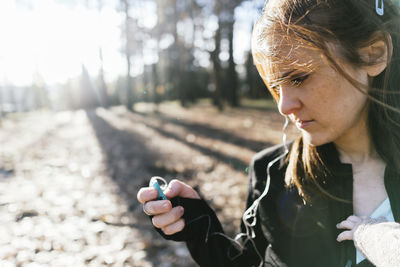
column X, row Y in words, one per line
column 351, row 25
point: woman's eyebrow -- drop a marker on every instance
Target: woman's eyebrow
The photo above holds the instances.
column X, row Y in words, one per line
column 286, row 74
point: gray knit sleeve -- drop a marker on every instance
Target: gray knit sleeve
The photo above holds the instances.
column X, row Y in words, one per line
column 379, row 242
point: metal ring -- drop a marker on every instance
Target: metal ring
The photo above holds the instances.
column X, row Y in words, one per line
column 161, row 181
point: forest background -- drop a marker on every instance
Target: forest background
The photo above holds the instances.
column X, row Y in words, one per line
column 96, row 97
column 162, row 50
column 167, row 50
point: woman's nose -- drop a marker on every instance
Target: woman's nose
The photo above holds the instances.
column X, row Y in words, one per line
column 288, row 101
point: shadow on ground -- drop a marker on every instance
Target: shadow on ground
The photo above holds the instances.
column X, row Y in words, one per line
column 130, row 164
column 130, row 160
column 207, row 131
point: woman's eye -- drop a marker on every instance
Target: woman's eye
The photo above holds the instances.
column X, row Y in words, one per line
column 299, row 80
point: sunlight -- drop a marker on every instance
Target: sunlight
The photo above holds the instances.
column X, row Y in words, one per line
column 55, row 40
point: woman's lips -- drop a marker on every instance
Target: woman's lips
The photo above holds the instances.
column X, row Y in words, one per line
column 303, row 124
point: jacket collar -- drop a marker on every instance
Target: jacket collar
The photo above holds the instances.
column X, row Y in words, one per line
column 340, row 183
column 392, row 186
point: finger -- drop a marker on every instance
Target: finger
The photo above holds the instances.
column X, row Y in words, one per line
column 179, row 188
column 174, row 228
column 157, row 207
column 346, row 235
column 165, row 219
column 145, row 211
column 345, row 225
column 146, row 194
column 354, row 219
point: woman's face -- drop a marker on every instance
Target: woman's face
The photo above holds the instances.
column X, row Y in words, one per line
column 324, row 106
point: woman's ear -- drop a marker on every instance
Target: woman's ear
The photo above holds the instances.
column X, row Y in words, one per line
column 377, row 54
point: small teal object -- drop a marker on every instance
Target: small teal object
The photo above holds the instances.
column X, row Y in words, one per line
column 161, row 195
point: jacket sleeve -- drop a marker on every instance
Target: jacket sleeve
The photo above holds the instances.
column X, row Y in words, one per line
column 218, row 250
column 207, row 242
column 204, row 235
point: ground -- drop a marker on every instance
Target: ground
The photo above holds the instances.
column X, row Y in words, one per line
column 68, row 180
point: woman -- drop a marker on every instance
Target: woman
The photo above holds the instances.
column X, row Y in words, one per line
column 333, row 67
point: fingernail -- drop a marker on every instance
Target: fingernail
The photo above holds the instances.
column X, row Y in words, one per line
column 165, row 205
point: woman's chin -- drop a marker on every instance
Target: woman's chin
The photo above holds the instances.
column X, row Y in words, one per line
column 314, row 139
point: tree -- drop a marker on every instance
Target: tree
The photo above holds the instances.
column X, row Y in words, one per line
column 101, row 85
column 88, row 96
column 232, row 77
column 255, row 86
column 128, row 52
column 217, row 99
column 38, row 94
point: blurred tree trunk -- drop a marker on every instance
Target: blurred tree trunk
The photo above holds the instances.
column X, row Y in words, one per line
column 40, row 97
column 87, row 94
column 256, row 86
column 217, row 68
column 156, row 87
column 249, row 75
column 13, row 99
column 104, row 98
column 129, row 95
column 217, row 97
column 161, row 68
column 36, row 96
column 145, row 83
column 178, row 59
column 155, row 90
column 232, row 79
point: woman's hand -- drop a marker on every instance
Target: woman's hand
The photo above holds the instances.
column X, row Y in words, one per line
column 350, row 224
column 167, row 218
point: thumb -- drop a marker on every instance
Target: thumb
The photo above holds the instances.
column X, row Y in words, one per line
column 179, row 188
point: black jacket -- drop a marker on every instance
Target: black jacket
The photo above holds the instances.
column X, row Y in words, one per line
column 288, row 232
